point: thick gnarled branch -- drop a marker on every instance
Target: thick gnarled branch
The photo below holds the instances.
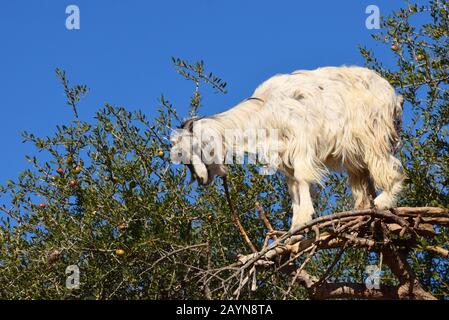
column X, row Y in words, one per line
column 392, row 234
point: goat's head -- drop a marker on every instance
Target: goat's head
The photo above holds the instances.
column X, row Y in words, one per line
column 199, row 150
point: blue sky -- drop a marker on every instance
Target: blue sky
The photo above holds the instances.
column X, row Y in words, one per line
column 123, row 50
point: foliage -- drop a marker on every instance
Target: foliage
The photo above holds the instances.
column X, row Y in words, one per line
column 110, row 201
column 418, row 38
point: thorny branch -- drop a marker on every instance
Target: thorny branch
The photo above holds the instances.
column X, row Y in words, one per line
column 235, row 217
column 392, row 234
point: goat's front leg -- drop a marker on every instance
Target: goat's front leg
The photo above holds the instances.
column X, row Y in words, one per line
column 301, row 201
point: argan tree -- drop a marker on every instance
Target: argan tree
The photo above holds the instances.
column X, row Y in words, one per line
column 108, row 201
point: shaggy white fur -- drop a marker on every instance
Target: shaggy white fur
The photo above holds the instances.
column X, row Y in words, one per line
column 338, row 118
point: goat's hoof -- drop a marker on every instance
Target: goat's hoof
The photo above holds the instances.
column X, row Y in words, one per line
column 384, row 201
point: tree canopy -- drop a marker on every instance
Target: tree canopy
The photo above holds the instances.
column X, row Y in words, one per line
column 108, row 200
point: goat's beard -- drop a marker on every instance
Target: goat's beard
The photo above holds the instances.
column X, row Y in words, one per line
column 198, row 170
column 195, row 177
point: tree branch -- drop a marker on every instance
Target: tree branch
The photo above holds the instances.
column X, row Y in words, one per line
column 392, row 234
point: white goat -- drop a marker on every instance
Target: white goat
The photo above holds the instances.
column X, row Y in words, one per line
column 338, row 118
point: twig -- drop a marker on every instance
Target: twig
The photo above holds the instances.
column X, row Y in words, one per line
column 281, row 254
column 265, row 220
column 435, row 249
column 172, row 253
column 235, row 217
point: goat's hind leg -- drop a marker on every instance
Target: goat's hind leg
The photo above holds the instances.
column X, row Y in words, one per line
column 387, row 174
column 362, row 186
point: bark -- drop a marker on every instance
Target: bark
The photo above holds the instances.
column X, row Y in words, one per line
column 392, row 234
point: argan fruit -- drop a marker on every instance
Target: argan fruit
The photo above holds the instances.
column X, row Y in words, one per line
column 42, row 205
column 54, row 256
column 69, row 159
column 160, row 153
column 73, row 183
column 420, row 57
column 122, row 226
column 108, row 127
column 394, row 47
column 77, row 169
column 120, row 252
column 60, row 171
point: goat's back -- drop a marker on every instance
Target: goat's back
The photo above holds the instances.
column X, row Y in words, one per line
column 350, row 110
